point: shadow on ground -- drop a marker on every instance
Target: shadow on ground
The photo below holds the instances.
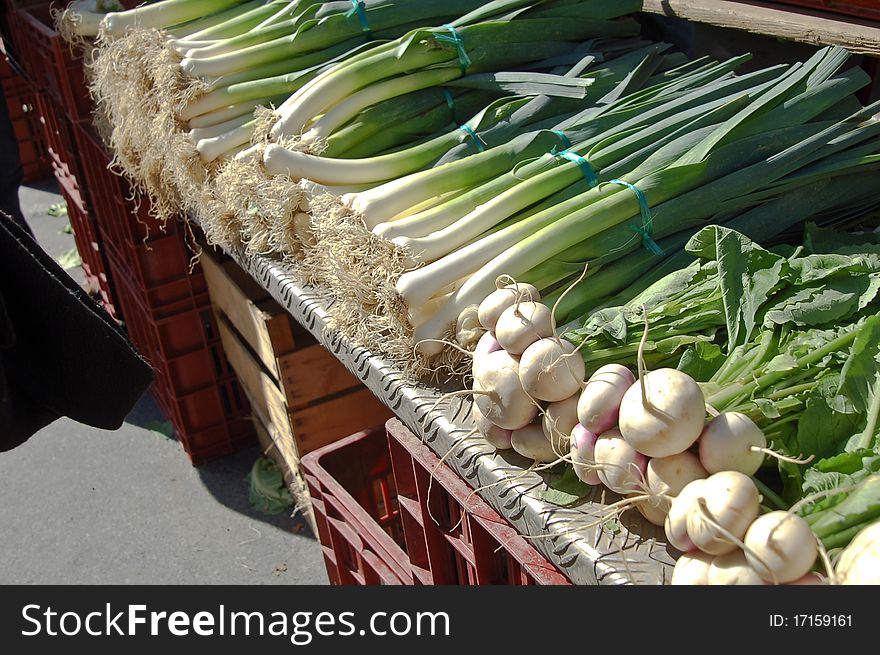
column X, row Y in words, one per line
column 224, row 478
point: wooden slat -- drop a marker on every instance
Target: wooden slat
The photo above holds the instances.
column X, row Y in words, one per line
column 262, row 323
column 336, row 418
column 266, row 398
column 273, row 445
column 311, row 373
column 785, row 22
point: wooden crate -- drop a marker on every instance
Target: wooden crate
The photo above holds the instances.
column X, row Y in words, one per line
column 302, row 397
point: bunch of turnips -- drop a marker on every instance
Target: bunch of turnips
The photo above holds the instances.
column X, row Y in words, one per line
column 652, row 439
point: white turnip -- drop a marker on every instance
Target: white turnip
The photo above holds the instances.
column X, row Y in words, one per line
column 497, row 437
column 727, row 444
column 467, row 328
column 558, row 421
column 725, row 507
column 663, row 413
column 692, row 569
column 859, row 562
column 522, row 324
column 781, row 547
column 583, row 446
column 551, row 370
column 499, row 394
column 621, row 468
column 531, row 443
column 733, row 569
column 675, row 524
column 666, row 477
column 496, row 302
column 599, row 403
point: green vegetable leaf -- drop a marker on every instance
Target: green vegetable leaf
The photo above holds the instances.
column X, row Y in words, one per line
column 565, row 490
column 58, row 209
column 822, row 430
column 267, row 491
column 835, row 300
column 70, row 259
column 702, row 361
column 859, row 388
column 165, row 428
column 838, row 524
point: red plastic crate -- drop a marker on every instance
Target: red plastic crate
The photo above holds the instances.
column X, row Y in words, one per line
column 179, row 328
column 861, row 8
column 369, row 495
column 123, row 215
column 62, row 149
column 21, row 106
column 462, row 541
column 194, row 384
column 87, row 242
column 48, row 60
column 354, row 499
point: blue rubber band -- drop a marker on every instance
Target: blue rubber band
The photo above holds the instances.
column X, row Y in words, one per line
column 450, row 102
column 566, row 142
column 454, row 38
column 586, row 169
column 467, row 129
column 357, row 9
column 646, row 229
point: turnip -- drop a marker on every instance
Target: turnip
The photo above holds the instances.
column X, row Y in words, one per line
column 733, row 569
column 599, row 403
column 810, row 578
column 485, row 346
column 692, row 569
column 725, row 507
column 859, row 562
column 499, row 394
column 467, row 328
column 780, row 546
column 558, row 421
column 522, row 324
column 497, row 437
column 676, row 518
column 531, row 443
column 551, row 370
column 666, row 477
column 730, row 442
column 663, row 413
column 505, row 296
column 621, row 468
column 583, row 445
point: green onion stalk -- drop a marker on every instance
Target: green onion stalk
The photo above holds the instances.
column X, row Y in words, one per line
column 760, row 144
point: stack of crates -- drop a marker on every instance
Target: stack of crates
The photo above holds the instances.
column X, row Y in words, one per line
column 145, row 271
column 21, row 105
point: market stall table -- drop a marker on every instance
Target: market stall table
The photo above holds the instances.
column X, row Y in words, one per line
column 587, row 548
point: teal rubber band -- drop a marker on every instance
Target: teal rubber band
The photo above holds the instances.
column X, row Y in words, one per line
column 357, row 9
column 646, row 229
column 584, row 165
column 450, row 102
column 455, row 39
column 467, row 129
column 566, row 142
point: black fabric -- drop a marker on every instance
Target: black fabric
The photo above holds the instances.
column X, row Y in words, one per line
column 61, row 354
column 11, row 172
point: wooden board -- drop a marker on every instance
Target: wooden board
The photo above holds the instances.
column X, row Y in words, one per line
column 311, row 373
column 267, row 400
column 785, row 22
column 336, row 418
column 273, row 445
column 263, row 324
